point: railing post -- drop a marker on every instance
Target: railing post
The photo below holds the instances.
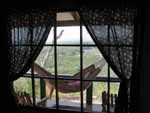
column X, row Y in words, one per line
column 42, row 88
column 89, row 95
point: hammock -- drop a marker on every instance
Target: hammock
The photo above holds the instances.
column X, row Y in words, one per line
column 70, row 86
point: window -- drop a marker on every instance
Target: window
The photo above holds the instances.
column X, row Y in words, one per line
column 69, row 50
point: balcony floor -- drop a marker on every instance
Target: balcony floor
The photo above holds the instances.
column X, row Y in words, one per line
column 75, row 106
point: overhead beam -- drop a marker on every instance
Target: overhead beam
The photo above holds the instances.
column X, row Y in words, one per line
column 68, row 23
column 75, row 16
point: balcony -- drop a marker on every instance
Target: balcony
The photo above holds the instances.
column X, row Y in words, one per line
column 93, row 100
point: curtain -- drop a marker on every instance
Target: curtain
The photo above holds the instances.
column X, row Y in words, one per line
column 113, row 32
column 27, row 32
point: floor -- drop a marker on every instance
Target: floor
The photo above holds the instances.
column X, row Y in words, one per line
column 75, row 106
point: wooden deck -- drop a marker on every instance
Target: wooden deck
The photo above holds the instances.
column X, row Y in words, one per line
column 75, row 106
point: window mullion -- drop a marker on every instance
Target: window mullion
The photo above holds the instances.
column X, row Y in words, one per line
column 33, row 85
column 81, row 67
column 55, row 60
column 32, row 69
column 108, row 82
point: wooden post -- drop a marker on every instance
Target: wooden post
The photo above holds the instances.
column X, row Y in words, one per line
column 104, row 101
column 89, row 96
column 42, row 88
column 111, row 100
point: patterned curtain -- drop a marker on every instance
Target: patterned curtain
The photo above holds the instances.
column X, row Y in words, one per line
column 113, row 32
column 27, row 32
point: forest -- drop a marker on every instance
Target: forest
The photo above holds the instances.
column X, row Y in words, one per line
column 68, row 63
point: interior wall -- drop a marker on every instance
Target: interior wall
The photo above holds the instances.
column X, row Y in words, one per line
column 145, row 72
column 144, row 96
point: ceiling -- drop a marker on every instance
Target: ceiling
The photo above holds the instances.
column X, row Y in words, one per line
column 68, row 18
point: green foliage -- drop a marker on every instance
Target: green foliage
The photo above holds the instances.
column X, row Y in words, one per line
column 68, row 62
column 23, row 85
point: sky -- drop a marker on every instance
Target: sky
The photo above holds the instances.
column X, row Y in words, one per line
column 70, row 34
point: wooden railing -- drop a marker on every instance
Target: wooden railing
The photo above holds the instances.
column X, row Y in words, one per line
column 69, row 77
column 23, row 98
column 88, row 91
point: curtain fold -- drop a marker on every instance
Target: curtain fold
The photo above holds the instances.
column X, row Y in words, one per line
column 113, row 32
column 27, row 33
